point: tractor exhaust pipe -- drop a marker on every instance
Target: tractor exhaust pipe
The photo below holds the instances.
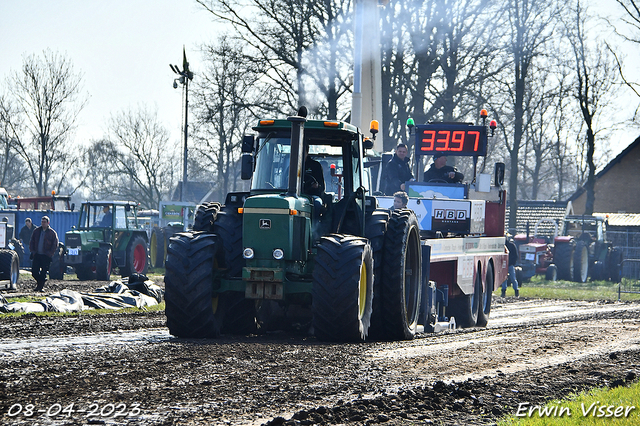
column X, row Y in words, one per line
column 297, row 152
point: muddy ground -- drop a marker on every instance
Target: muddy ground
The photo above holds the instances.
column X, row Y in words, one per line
column 126, row 369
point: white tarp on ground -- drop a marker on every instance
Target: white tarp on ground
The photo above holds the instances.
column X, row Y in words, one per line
column 116, row 295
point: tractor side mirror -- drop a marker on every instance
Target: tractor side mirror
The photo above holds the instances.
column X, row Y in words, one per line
column 499, row 174
column 247, row 143
column 246, row 170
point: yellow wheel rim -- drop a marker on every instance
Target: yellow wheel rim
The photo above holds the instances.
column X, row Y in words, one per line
column 362, row 301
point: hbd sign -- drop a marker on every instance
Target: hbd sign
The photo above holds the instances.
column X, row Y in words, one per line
column 451, row 216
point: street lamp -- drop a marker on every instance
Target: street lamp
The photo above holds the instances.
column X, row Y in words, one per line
column 185, row 77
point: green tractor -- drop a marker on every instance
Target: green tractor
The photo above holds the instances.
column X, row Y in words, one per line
column 108, row 236
column 289, row 254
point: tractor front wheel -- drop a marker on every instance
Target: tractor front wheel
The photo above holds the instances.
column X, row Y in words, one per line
column 103, row 264
column 552, row 273
column 57, row 268
column 192, row 310
column 342, row 292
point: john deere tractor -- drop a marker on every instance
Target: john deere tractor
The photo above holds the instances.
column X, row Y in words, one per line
column 284, row 254
column 108, row 236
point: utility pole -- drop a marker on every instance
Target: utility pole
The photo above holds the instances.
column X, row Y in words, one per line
column 185, row 77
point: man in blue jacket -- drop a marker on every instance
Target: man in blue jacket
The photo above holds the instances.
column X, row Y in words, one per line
column 397, row 171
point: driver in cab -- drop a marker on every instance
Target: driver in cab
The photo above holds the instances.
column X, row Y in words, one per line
column 313, row 183
column 440, row 172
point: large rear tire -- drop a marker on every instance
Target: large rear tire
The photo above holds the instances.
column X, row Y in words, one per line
column 581, row 262
column 401, row 276
column 103, row 264
column 57, row 267
column 136, row 261
column 485, row 298
column 10, row 267
column 191, row 309
column 563, row 259
column 342, row 291
column 157, row 248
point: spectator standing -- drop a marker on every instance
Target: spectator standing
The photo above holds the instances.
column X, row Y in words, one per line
column 43, row 245
column 397, row 171
column 513, row 258
column 25, row 237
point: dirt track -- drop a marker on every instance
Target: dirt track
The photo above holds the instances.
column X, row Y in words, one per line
column 532, row 351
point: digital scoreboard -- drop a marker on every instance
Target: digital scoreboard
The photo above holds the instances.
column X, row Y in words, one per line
column 451, row 139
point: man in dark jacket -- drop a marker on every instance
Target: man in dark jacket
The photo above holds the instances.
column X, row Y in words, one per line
column 25, row 237
column 513, row 258
column 397, row 171
column 439, row 171
column 43, row 245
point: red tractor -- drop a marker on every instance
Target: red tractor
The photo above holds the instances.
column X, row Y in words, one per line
column 536, row 255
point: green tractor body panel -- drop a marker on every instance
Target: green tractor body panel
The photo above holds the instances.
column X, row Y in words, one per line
column 273, row 222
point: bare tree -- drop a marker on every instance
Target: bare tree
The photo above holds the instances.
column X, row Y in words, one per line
column 531, row 24
column 47, row 95
column 13, row 173
column 135, row 162
column 296, row 42
column 228, row 98
column 595, row 78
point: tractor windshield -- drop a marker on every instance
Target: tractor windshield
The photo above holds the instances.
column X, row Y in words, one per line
column 96, row 215
column 272, row 164
column 272, row 167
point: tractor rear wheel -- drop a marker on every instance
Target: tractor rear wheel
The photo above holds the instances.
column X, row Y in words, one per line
column 157, row 248
column 228, row 227
column 375, row 229
column 136, row 257
column 9, row 267
column 563, row 259
column 581, row 263
column 342, row 292
column 57, row 268
column 401, row 276
column 205, row 216
column 191, row 308
column 466, row 307
column 485, row 298
column 103, row 264
column 614, row 267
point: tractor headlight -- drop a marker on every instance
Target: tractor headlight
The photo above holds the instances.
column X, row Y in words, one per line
column 248, row 253
column 278, row 254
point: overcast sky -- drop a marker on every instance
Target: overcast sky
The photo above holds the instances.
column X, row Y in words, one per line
column 124, row 47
